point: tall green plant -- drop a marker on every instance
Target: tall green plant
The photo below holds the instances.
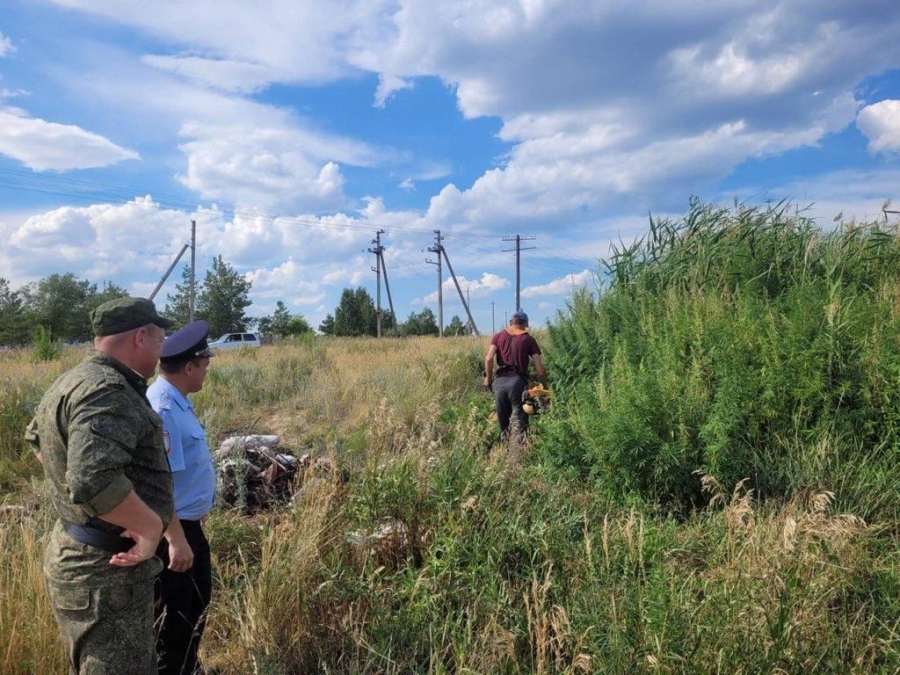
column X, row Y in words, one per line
column 745, row 343
column 45, row 348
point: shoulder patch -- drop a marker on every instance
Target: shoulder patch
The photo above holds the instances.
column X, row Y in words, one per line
column 167, row 441
column 164, row 401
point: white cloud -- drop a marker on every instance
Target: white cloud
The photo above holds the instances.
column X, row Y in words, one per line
column 239, row 46
column 275, row 166
column 227, row 75
column 6, row 46
column 562, row 286
column 288, row 282
column 596, row 96
column 388, row 85
column 46, row 146
column 881, row 125
column 473, row 289
column 127, row 243
column 407, row 184
column 563, row 175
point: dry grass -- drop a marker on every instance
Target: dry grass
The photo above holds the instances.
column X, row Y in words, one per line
column 28, row 634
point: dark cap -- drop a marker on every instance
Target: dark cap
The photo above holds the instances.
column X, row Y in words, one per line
column 124, row 314
column 520, row 317
column 187, row 343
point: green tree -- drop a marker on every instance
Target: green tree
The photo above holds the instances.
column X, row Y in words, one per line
column 355, row 315
column 455, row 327
column 423, row 323
column 223, row 298
column 13, row 321
column 327, row 325
column 264, row 325
column 283, row 323
column 298, row 325
column 281, row 317
column 178, row 304
column 59, row 303
column 62, row 303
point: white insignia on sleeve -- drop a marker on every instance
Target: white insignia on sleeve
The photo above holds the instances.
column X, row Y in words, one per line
column 167, row 440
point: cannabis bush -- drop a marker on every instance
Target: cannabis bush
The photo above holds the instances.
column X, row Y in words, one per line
column 742, row 343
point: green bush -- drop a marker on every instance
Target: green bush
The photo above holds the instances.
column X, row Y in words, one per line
column 45, row 349
column 741, row 343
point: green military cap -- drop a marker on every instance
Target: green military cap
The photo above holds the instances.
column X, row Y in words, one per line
column 124, row 314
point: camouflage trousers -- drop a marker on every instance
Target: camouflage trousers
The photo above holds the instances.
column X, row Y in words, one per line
column 108, row 629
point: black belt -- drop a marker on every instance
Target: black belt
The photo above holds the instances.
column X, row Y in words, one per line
column 105, row 541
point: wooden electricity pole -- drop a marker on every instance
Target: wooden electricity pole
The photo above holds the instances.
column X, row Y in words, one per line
column 518, row 249
column 437, row 248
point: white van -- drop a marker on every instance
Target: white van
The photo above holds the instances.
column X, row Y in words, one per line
column 235, row 341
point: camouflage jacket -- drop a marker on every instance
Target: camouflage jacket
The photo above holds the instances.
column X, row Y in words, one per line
column 99, row 439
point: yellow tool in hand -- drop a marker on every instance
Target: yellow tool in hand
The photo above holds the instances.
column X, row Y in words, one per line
column 536, row 400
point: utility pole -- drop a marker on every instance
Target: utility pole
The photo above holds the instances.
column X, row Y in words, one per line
column 518, row 239
column 191, row 299
column 377, row 269
column 469, row 304
column 387, row 287
column 459, row 290
column 168, row 271
column 437, row 248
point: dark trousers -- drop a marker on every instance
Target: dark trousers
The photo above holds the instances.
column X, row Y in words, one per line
column 508, row 392
column 181, row 602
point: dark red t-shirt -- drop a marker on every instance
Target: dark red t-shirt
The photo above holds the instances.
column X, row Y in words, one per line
column 513, row 353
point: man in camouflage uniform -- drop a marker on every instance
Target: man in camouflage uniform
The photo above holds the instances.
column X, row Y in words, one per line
column 102, row 448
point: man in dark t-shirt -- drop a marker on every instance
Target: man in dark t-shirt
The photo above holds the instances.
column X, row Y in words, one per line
column 512, row 348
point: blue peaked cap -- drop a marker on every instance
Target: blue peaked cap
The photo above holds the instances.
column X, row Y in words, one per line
column 187, row 343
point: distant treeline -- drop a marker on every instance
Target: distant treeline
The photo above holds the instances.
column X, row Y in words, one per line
column 57, row 309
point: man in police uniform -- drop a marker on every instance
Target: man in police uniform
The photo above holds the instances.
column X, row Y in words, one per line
column 185, row 586
column 101, row 445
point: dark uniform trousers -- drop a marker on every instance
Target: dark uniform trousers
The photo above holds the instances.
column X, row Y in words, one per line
column 182, row 599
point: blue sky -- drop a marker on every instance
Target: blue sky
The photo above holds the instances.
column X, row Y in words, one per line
column 293, row 131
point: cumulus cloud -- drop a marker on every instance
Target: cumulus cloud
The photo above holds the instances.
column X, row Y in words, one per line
column 288, row 282
column 559, row 176
column 880, row 123
column 132, row 242
column 50, row 146
column 590, row 94
column 277, row 166
column 482, row 287
column 562, row 286
column 301, row 260
column 595, row 96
